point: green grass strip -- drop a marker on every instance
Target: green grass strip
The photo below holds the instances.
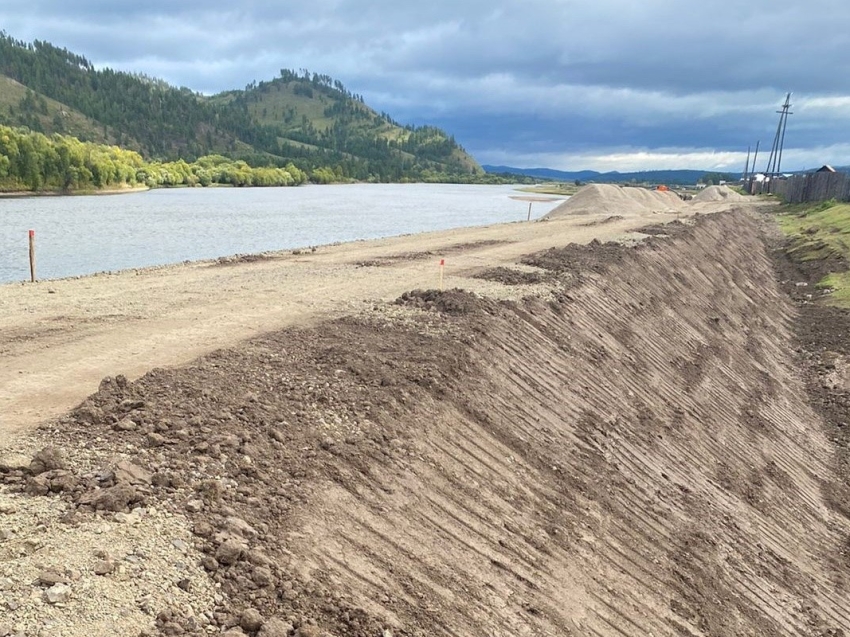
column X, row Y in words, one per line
column 821, row 233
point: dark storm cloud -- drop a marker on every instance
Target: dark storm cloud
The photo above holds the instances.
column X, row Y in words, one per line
column 538, row 80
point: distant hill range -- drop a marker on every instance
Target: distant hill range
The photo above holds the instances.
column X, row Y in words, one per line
column 678, row 177
column 306, row 118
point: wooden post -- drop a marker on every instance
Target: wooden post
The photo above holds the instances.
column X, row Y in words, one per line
column 529, row 210
column 32, row 256
column 442, row 265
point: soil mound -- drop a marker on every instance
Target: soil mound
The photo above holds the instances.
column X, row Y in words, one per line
column 511, row 276
column 616, row 200
column 719, row 193
column 450, row 301
column 633, row 458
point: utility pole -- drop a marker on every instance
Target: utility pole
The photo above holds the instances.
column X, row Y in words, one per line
column 774, row 162
column 756, row 156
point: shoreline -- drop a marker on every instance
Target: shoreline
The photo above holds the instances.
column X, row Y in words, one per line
column 25, row 194
column 277, row 253
column 265, row 255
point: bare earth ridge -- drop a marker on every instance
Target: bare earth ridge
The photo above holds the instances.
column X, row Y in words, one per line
column 58, row 339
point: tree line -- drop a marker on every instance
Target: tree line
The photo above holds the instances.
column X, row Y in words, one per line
column 35, row 162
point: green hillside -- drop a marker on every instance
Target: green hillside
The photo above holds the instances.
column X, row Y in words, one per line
column 21, row 106
column 312, row 111
column 308, row 120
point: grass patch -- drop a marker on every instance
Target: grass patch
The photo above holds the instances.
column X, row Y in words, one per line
column 818, row 233
column 837, row 285
column 822, row 234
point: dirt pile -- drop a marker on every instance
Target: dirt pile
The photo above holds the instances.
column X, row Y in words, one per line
column 718, row 193
column 631, row 458
column 617, row 201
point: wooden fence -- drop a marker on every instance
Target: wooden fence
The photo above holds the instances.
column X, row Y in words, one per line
column 809, row 188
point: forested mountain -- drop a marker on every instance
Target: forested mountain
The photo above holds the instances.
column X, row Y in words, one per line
column 311, row 111
column 303, row 119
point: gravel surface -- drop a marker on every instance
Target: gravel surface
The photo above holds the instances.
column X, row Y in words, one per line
column 64, row 572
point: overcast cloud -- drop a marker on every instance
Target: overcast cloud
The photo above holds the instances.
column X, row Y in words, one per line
column 569, row 84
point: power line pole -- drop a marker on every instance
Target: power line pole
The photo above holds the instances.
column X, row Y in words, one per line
column 774, row 161
column 756, row 156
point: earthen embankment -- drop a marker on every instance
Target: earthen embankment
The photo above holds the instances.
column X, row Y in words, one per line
column 631, row 453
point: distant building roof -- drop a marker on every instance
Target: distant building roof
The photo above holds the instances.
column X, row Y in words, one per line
column 826, row 168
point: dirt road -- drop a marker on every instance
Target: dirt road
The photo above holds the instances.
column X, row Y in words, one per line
column 58, row 339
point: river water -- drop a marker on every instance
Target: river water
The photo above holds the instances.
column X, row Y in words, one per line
column 86, row 234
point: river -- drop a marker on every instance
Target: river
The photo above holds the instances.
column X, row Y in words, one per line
column 86, row 234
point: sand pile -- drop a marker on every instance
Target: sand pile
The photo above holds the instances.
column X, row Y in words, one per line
column 719, row 193
column 610, row 199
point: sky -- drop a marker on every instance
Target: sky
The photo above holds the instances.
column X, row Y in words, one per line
column 565, row 84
